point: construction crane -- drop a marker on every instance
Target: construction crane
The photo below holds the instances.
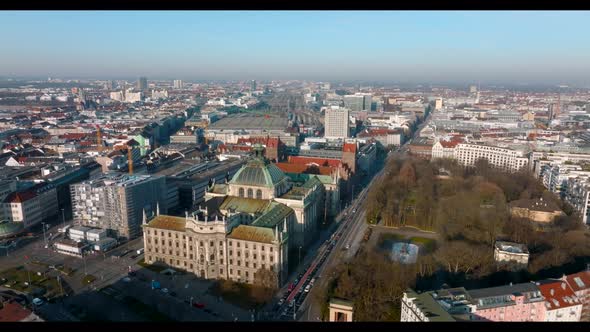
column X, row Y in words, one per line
column 130, row 159
column 98, row 139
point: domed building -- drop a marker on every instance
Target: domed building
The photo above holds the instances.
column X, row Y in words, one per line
column 254, row 221
column 259, row 179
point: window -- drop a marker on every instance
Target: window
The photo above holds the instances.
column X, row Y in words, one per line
column 238, row 244
column 241, row 192
column 170, row 243
column 177, row 262
column 250, row 193
column 231, row 262
column 230, row 243
column 246, row 245
column 191, row 266
column 176, row 235
column 231, row 271
column 254, row 246
column 184, row 237
column 211, row 244
column 259, row 194
column 169, row 234
column 254, row 256
column 254, row 265
column 212, row 257
column 239, row 253
column 220, row 252
column 201, row 243
column 271, row 249
column 271, row 258
column 239, row 272
column 220, row 243
column 246, row 274
column 246, row 263
column 262, row 247
column 170, row 252
column 231, row 252
column 162, row 233
column 221, row 261
column 220, row 271
column 239, row 263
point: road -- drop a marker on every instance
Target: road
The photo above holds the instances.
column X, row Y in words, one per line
column 353, row 229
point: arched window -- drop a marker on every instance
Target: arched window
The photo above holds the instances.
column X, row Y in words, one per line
column 250, row 193
column 259, row 194
column 241, row 192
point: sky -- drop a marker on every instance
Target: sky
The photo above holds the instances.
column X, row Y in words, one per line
column 402, row 46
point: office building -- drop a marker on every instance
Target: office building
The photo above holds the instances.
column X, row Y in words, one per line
column 116, row 202
column 355, row 103
column 178, row 84
column 336, row 123
column 142, row 84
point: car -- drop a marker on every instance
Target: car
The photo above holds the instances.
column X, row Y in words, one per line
column 165, row 290
column 281, row 301
column 198, row 305
column 126, row 279
column 133, row 257
column 291, row 304
column 347, row 246
column 307, row 288
column 354, row 211
column 312, row 281
column 37, row 301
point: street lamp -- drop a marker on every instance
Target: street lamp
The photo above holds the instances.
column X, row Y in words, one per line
column 44, row 238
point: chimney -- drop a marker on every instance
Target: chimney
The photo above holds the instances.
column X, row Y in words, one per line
column 563, row 285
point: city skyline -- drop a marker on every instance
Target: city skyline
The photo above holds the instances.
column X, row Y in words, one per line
column 405, row 46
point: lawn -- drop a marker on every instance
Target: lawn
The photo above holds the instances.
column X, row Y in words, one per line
column 428, row 245
column 17, row 277
column 87, row 279
column 155, row 268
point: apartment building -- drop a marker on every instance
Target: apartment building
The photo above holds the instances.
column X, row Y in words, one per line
column 336, row 123
column 501, row 158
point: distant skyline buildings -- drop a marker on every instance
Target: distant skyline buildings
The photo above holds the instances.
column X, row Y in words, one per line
column 409, row 46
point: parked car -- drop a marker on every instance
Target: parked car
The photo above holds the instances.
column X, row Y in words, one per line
column 165, row 290
column 307, row 288
column 281, row 301
column 126, row 279
column 198, row 305
column 37, row 301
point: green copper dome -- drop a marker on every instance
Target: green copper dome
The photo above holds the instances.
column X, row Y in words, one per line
column 258, row 172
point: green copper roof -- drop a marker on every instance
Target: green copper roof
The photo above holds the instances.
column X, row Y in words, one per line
column 245, row 205
column 274, row 214
column 258, row 172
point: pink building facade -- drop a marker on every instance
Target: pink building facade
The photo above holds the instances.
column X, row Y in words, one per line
column 511, row 303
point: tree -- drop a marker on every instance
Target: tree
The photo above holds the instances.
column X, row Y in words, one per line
column 265, row 285
column 407, row 174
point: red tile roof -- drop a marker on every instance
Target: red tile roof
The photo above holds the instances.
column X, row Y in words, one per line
column 579, row 281
column 19, row 197
column 13, row 312
column 449, row 144
column 309, row 160
column 349, row 147
column 306, row 169
column 558, row 294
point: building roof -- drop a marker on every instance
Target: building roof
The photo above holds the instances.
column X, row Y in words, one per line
column 312, row 160
column 168, row 222
column 579, row 281
column 558, row 294
column 511, row 247
column 13, row 312
column 303, row 168
column 349, row 147
column 535, row 205
column 243, row 204
column 252, row 233
column 503, row 290
column 20, row 197
column 428, row 305
column 274, row 214
column 258, row 172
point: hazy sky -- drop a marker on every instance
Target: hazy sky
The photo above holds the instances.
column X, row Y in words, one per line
column 440, row 46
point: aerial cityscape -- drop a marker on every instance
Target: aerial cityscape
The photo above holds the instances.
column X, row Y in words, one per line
column 243, row 166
